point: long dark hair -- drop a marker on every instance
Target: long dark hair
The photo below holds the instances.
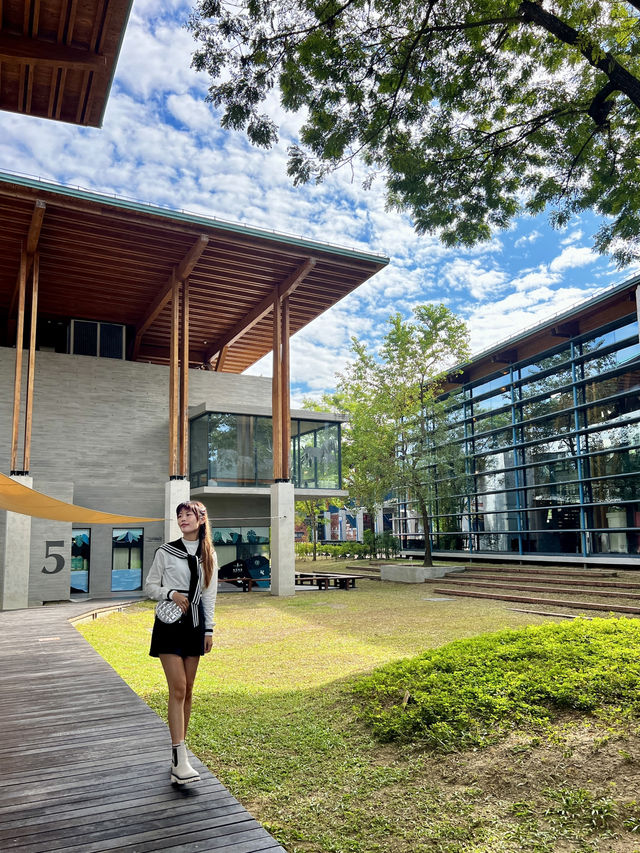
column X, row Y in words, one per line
column 207, row 553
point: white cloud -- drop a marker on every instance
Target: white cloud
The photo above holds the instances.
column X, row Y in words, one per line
column 527, row 238
column 573, row 237
column 573, row 256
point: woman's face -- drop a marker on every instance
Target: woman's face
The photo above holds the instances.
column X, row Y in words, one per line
column 188, row 523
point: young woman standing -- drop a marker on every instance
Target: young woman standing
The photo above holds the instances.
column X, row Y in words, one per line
column 184, row 571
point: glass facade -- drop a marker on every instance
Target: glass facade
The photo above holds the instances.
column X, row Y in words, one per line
column 542, row 456
column 237, row 450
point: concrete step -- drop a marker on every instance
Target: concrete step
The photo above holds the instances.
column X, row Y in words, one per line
column 553, row 602
column 598, row 573
column 537, row 588
column 566, row 581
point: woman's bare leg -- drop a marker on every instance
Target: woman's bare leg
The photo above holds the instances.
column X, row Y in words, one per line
column 176, row 676
column 190, row 670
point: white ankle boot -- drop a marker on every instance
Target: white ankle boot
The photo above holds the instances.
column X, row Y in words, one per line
column 181, row 771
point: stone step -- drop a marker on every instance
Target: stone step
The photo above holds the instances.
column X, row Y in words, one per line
column 537, row 588
column 618, row 584
column 553, row 602
column 532, row 570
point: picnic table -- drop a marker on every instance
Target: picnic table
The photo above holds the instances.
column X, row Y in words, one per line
column 323, row 580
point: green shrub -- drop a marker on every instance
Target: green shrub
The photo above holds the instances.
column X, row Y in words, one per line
column 470, row 692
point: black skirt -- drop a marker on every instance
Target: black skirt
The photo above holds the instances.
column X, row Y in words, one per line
column 181, row 638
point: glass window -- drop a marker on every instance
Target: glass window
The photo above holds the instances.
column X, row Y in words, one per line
column 549, row 542
column 496, row 401
column 618, row 436
column 605, row 339
column 613, row 410
column 492, row 461
column 625, row 488
column 316, row 454
column 243, row 552
column 126, row 558
column 599, row 389
column 547, row 427
column 551, row 472
column 198, row 451
column 621, row 461
column 548, row 362
column 556, row 494
column 499, row 381
column 554, row 401
column 80, row 559
column 493, row 441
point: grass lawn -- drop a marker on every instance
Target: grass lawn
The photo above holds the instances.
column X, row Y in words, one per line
column 276, row 719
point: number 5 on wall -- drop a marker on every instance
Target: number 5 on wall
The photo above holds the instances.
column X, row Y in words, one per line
column 51, row 543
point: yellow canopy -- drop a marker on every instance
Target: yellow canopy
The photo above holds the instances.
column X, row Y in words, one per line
column 18, row 498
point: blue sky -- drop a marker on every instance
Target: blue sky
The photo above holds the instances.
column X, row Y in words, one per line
column 161, row 143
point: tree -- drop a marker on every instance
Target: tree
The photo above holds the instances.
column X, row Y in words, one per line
column 473, row 111
column 310, row 512
column 395, row 419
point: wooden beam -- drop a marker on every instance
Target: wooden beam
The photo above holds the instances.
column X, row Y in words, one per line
column 222, row 357
column 184, row 383
column 17, row 381
column 28, row 418
column 285, row 425
column 179, row 273
column 32, row 244
column 276, row 389
column 174, row 378
column 35, row 226
column 33, row 51
column 261, row 309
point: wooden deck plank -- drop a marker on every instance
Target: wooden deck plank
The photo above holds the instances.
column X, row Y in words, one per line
column 86, row 762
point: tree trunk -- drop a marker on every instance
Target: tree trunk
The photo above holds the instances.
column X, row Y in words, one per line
column 428, row 560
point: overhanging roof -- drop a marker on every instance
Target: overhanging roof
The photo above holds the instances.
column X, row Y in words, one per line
column 606, row 306
column 57, row 57
column 111, row 260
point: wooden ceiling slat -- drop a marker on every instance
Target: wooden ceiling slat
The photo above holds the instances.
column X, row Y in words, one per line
column 62, row 19
column 26, row 50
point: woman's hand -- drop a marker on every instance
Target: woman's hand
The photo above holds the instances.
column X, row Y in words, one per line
column 181, row 600
column 208, row 643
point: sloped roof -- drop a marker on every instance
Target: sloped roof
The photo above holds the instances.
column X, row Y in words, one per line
column 111, row 260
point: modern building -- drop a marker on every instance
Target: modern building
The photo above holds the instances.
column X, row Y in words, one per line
column 124, row 331
column 542, row 458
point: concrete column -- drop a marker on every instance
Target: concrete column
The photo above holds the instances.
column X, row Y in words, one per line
column 360, row 525
column 327, row 525
column 14, row 569
column 175, row 492
column 283, row 559
column 379, row 523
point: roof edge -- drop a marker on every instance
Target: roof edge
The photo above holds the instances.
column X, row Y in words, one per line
column 552, row 320
column 190, row 218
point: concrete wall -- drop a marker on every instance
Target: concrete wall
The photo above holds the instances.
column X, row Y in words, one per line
column 100, row 430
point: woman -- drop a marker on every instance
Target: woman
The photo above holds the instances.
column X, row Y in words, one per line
column 184, row 571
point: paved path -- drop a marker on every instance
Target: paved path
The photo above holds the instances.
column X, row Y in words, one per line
column 84, row 763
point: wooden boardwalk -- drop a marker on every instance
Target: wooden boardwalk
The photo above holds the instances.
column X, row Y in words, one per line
column 84, row 763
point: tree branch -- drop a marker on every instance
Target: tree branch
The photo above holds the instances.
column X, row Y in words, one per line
column 620, row 78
